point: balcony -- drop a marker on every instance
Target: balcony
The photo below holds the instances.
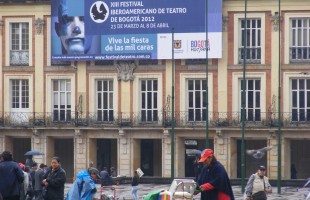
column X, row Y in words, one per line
column 299, row 54
column 253, row 55
column 19, row 58
column 161, row 120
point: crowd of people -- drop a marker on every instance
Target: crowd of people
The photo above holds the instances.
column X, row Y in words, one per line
column 213, row 181
column 20, row 181
column 39, row 182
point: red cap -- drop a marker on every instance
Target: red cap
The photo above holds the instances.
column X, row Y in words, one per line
column 205, row 154
column 22, row 166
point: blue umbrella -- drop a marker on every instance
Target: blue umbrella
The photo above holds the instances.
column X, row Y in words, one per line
column 33, row 153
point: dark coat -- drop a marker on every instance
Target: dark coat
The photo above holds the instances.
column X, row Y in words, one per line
column 135, row 181
column 11, row 178
column 56, row 183
column 217, row 176
column 105, row 180
column 38, row 178
column 197, row 169
column 32, row 172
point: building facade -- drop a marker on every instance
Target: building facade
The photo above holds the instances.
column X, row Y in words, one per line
column 118, row 113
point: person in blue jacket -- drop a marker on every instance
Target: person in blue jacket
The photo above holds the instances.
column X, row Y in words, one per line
column 84, row 186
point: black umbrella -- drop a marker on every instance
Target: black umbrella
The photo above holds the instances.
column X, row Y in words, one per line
column 33, row 153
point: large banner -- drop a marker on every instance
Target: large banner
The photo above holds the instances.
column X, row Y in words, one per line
column 126, row 30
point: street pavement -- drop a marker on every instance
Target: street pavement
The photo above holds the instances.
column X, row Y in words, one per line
column 123, row 192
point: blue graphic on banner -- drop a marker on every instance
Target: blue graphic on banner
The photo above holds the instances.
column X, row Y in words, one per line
column 122, row 29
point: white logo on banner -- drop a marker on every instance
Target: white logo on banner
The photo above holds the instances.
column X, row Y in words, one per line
column 99, row 12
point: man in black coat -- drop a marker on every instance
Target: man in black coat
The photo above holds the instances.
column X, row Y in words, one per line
column 11, row 177
column 54, row 180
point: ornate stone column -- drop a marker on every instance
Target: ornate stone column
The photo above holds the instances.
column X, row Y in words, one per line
column 221, row 148
column 80, row 146
column 272, row 155
column 125, row 76
column 124, row 155
column 166, row 153
column 38, row 143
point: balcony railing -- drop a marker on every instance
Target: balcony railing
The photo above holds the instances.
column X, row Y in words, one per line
column 299, row 54
column 163, row 119
column 19, row 57
column 253, row 55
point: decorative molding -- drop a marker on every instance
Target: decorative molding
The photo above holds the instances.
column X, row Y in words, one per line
column 219, row 133
column 121, row 132
column 77, row 132
column 35, row 132
column 271, row 134
column 37, row 140
column 275, row 21
column 39, row 26
column 225, row 23
column 125, row 70
column 166, row 132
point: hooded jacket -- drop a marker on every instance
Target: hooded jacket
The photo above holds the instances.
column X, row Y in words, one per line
column 83, row 187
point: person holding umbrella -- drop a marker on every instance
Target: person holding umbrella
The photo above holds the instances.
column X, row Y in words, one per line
column 29, row 161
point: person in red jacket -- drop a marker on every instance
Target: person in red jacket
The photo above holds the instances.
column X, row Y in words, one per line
column 213, row 179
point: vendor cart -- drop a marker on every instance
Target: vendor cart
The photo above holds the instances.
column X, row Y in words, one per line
column 107, row 193
column 179, row 189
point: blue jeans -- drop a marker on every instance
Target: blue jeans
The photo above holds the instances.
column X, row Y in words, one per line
column 134, row 192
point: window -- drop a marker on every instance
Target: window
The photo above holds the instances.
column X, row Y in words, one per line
column 195, row 61
column 252, row 99
column 300, row 94
column 148, row 62
column 300, row 40
column 149, row 95
column 60, row 62
column 196, row 100
column 61, row 100
column 104, row 95
column 252, row 31
column 19, row 48
column 19, row 94
column 104, row 62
